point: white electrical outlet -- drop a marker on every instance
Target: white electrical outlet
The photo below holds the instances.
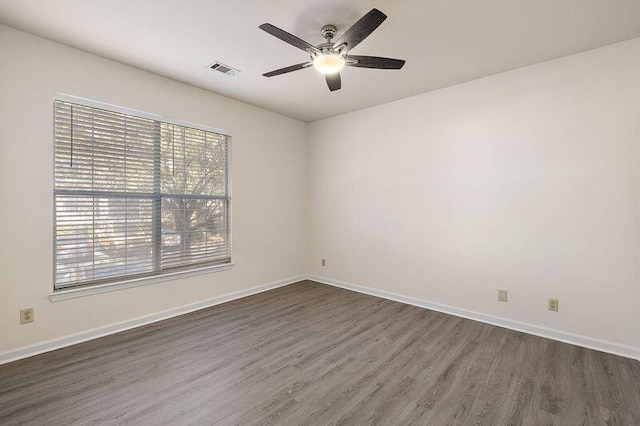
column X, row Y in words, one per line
column 324, row 262
column 26, row 315
column 502, row 295
column 553, row 305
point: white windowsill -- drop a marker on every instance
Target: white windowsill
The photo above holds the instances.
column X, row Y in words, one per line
column 71, row 293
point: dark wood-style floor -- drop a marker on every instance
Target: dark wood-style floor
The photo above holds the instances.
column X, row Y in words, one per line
column 313, row 354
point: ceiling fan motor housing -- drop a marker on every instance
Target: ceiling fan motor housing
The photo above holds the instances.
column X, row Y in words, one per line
column 324, row 48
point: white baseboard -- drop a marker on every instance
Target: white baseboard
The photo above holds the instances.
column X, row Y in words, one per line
column 575, row 339
column 550, row 333
column 50, row 345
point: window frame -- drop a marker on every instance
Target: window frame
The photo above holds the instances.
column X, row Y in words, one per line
column 126, row 281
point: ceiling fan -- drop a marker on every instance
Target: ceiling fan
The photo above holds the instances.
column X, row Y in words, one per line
column 329, row 58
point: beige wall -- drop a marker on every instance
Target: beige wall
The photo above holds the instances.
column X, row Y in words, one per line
column 268, row 171
column 527, row 180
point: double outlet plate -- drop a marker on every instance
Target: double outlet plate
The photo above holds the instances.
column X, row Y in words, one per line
column 26, row 315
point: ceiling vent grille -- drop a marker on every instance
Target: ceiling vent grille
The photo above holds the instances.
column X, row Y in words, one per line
column 224, row 69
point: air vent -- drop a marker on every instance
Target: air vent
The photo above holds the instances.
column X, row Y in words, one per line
column 224, row 69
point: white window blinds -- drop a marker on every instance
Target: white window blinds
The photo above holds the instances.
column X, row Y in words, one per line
column 136, row 196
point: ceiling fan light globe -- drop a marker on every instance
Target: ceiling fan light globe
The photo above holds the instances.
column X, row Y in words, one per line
column 328, row 63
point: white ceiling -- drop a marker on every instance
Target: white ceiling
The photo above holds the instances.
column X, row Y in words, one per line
column 444, row 42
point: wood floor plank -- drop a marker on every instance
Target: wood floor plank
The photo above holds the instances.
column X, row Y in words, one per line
column 314, row 354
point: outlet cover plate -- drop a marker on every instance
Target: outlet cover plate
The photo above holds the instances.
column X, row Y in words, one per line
column 26, row 315
column 502, row 295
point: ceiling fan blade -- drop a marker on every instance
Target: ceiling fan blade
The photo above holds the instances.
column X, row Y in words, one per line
column 288, row 38
column 375, row 62
column 361, row 29
column 333, row 81
column 285, row 70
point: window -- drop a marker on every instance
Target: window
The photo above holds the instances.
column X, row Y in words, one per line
column 136, row 195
